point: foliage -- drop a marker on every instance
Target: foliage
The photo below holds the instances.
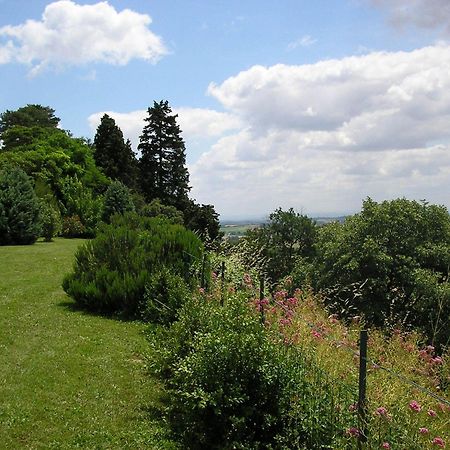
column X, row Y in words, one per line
column 156, row 209
column 50, row 219
column 287, row 237
column 118, row 200
column 79, row 201
column 204, row 220
column 395, row 255
column 165, row 293
column 25, row 124
column 163, row 161
column 113, row 155
column 19, row 208
column 112, row 271
column 72, row 227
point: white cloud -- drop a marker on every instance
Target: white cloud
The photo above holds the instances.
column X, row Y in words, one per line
column 70, row 34
column 304, row 41
column 429, row 14
column 324, row 136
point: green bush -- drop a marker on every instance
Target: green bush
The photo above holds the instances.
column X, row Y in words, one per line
column 234, row 384
column 50, row 220
column 72, row 227
column 165, row 293
column 19, row 208
column 112, row 270
column 118, row 200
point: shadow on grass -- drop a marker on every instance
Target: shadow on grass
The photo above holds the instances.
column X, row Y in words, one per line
column 72, row 306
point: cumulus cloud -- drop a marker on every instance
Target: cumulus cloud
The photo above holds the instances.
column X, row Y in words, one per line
column 69, row 34
column 429, row 14
column 324, row 136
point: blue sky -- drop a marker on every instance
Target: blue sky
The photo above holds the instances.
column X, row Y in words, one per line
column 313, row 105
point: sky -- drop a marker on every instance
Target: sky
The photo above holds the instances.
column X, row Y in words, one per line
column 314, row 105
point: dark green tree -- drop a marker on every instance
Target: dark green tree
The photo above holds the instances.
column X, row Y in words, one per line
column 113, row 155
column 285, row 239
column 20, row 127
column 118, row 200
column 203, row 219
column 19, row 208
column 163, row 162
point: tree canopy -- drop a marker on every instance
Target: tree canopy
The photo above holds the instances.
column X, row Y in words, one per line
column 163, row 161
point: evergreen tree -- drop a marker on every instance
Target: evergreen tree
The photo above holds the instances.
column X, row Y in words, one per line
column 113, row 154
column 117, row 200
column 163, row 162
column 19, row 208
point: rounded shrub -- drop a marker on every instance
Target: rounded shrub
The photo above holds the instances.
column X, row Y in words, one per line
column 112, row 271
column 50, row 221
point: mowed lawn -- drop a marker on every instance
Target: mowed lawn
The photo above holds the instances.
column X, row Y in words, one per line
column 68, row 379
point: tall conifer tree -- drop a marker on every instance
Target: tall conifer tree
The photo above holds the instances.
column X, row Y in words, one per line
column 163, row 162
column 113, row 154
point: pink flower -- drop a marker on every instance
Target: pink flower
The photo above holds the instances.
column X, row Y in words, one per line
column 437, row 360
column 353, row 407
column 424, row 430
column 414, row 406
column 439, row 442
column 385, row 445
column 432, row 413
column 381, row 411
column 201, row 290
column 352, row 431
column 316, row 334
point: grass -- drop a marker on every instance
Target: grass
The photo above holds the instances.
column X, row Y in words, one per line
column 68, row 379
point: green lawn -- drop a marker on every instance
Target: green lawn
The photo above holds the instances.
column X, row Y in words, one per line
column 68, row 379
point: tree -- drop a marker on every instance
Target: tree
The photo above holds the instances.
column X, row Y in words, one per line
column 113, row 155
column 19, row 208
column 391, row 263
column 202, row 219
column 286, row 238
column 163, row 162
column 23, row 125
column 117, row 200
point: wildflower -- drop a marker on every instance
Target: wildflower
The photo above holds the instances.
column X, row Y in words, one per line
column 333, row 318
column 292, row 301
column 247, row 279
column 432, row 413
column 381, row 411
column 316, row 334
column 414, row 406
column 439, row 442
column 201, row 290
column 437, row 360
column 353, row 407
column 285, row 321
column 352, row 431
column 430, row 349
column 424, row 430
column 385, row 445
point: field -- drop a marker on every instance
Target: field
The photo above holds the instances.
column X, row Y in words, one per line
column 67, row 379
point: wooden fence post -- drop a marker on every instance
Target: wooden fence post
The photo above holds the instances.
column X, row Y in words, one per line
column 362, row 404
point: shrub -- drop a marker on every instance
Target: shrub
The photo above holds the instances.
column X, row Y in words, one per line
column 72, row 227
column 118, row 200
column 165, row 293
column 156, row 209
column 19, row 208
column 50, row 220
column 111, row 271
column 232, row 383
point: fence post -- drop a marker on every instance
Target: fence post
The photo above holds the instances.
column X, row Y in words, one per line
column 261, row 298
column 222, row 282
column 362, row 404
